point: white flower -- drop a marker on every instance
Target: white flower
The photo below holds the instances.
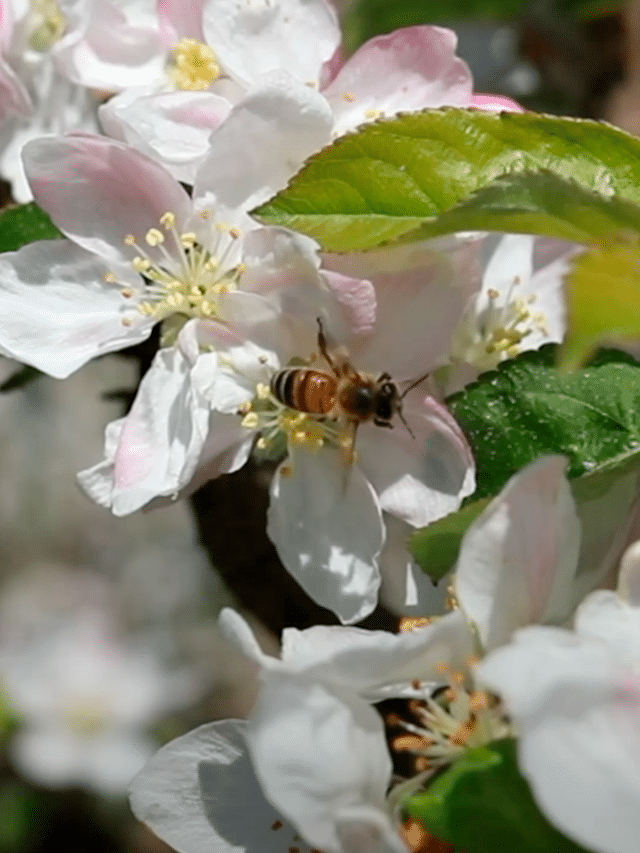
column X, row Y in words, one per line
column 327, row 502
column 139, row 251
column 519, row 307
column 575, row 698
column 84, row 699
column 314, row 742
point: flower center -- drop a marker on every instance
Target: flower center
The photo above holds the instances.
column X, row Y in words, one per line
column 86, row 718
column 46, row 24
column 433, row 729
column 488, row 335
column 277, row 423
column 184, row 274
column 193, row 65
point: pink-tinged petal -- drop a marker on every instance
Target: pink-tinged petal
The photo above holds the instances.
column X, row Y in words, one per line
column 194, row 794
column 98, row 191
column 629, row 576
column 106, row 51
column 6, row 24
column 357, row 300
column 253, row 39
column 161, row 441
column 172, row 127
column 518, row 560
column 180, row 20
column 263, row 143
column 421, row 292
column 409, row 69
column 57, row 311
column 578, row 715
column 316, row 754
column 326, row 524
column 406, row 589
column 496, row 103
column 14, row 98
column 422, row 477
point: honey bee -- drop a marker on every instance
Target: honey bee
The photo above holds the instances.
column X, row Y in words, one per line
column 341, row 392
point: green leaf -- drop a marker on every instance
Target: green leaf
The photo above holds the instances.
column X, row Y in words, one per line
column 481, row 804
column 527, row 408
column 538, row 203
column 22, row 812
column 603, row 294
column 435, row 548
column 24, row 224
column 387, row 178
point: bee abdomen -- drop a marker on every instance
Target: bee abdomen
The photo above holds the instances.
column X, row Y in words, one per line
column 305, row 389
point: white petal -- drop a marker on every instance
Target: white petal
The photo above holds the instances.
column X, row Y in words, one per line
column 326, row 524
column 579, row 719
column 51, row 756
column 112, row 761
column 604, row 614
column 200, row 795
column 171, row 127
column 263, row 143
column 57, row 311
column 299, row 35
column 419, row 477
column 517, row 561
column 315, row 755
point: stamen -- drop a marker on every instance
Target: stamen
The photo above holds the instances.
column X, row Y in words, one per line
column 194, row 66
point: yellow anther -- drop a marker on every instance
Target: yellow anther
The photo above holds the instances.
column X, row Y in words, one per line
column 188, row 239
column 47, row 24
column 127, row 321
column 286, row 470
column 262, row 443
column 194, row 66
column 109, row 278
column 205, row 214
column 250, row 421
column 129, row 240
column 348, row 96
column 141, row 264
column 235, row 232
column 373, row 113
column 263, row 391
column 154, row 237
column 492, row 293
column 479, row 700
column 168, row 219
column 127, row 293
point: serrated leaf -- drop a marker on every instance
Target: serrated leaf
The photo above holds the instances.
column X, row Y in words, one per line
column 379, row 183
column 481, row 804
column 24, row 224
column 538, row 203
column 603, row 294
column 527, row 408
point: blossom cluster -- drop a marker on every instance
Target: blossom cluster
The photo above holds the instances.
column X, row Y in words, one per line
column 178, row 121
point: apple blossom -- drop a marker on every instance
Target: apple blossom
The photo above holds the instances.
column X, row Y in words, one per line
column 138, row 251
column 84, row 699
column 326, row 514
column 575, row 698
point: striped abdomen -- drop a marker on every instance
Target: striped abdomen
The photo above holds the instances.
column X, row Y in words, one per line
column 305, row 389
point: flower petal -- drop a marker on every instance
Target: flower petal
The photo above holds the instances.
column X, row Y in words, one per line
column 406, row 70
column 518, row 560
column 194, row 794
column 326, row 524
column 57, row 312
column 116, row 191
column 316, row 754
column 299, row 35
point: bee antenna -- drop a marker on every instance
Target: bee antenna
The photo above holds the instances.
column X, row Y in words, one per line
column 413, row 385
column 404, row 421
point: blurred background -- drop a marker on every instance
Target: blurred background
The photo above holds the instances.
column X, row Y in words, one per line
column 108, row 644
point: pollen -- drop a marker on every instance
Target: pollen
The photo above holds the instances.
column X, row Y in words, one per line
column 45, row 24
column 193, row 66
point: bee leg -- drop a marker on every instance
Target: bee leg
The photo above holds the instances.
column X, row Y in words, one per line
column 384, row 377
column 379, row 422
column 322, row 345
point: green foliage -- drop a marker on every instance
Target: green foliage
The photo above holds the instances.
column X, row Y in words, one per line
column 481, row 804
column 21, row 817
column 526, row 408
column 24, row 224
column 383, row 181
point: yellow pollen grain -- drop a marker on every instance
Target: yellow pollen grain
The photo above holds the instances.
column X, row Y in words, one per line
column 262, row 443
column 250, row 421
column 263, row 391
column 205, row 214
column 492, row 293
column 408, row 743
column 479, row 700
column 127, row 321
column 413, row 623
column 109, row 278
column 168, row 219
column 235, row 232
column 129, row 240
column 188, row 239
column 127, row 293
